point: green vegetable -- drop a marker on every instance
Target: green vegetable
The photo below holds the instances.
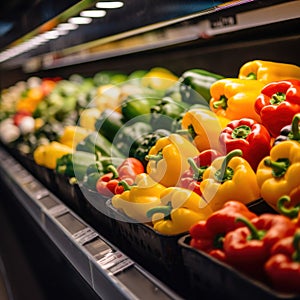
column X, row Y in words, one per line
column 195, row 85
column 96, row 170
column 91, row 179
column 138, row 108
column 126, row 138
column 145, row 142
column 98, row 144
column 75, row 164
column 165, row 111
column 109, row 123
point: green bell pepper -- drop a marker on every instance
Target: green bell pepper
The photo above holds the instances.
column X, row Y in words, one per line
column 126, row 138
column 195, row 85
column 146, row 142
column 109, row 123
column 138, row 108
column 165, row 111
column 75, row 164
column 98, row 144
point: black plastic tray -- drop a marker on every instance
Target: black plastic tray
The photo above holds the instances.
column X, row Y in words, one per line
column 146, row 242
column 210, row 277
column 98, row 213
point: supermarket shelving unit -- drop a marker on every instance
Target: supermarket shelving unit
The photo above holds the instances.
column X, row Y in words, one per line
column 175, row 34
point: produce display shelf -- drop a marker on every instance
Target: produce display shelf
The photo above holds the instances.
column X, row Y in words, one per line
column 110, row 273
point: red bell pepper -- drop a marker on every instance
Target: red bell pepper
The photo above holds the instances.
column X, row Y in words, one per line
column 208, row 235
column 130, row 167
column 192, row 177
column 248, row 248
column 108, row 184
column 277, row 104
column 283, row 267
column 250, row 137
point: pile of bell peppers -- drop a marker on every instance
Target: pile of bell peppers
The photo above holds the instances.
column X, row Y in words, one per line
column 236, row 140
column 264, row 247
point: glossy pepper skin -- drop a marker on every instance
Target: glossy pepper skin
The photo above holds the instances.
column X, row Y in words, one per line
column 167, row 159
column 127, row 137
column 108, row 184
column 234, row 98
column 146, row 142
column 289, row 132
column 137, row 199
column 164, row 113
column 204, row 128
column 248, row 248
column 192, row 177
column 195, row 85
column 208, row 235
column 283, row 267
column 277, row 104
column 278, row 174
column 179, row 209
column 229, row 177
column 250, row 137
column 47, row 155
column 268, row 71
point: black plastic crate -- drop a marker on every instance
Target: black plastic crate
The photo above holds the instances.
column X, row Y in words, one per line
column 69, row 193
column 146, row 242
column 98, row 213
column 212, row 278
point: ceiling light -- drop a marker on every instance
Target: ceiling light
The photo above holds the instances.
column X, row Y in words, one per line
column 67, row 26
column 93, row 13
column 51, row 35
column 112, row 4
column 80, row 20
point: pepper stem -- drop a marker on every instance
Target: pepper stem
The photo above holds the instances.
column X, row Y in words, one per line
column 255, row 234
column 125, row 185
column 226, row 173
column 221, row 103
column 295, row 133
column 241, row 132
column 190, row 131
column 112, row 168
column 279, row 166
column 157, row 157
column 288, row 212
column 198, row 172
column 165, row 209
column 218, row 240
column 277, row 98
column 252, row 76
column 296, row 245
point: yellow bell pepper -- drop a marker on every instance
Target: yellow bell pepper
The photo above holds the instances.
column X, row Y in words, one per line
column 205, row 127
column 89, row 117
column 278, row 174
column 228, row 178
column 234, row 98
column 168, row 159
column 137, row 199
column 159, row 79
column 46, row 155
column 268, row 71
column 180, row 209
column 72, row 135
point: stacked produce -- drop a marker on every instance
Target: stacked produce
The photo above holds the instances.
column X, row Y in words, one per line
column 186, row 154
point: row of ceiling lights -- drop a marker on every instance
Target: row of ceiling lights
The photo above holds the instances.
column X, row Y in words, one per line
column 85, row 17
